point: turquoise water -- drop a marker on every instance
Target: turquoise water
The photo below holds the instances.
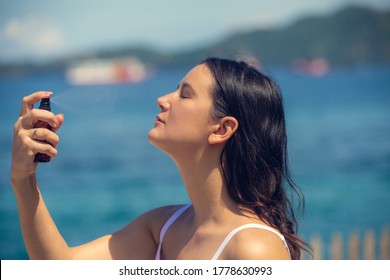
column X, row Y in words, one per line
column 107, row 173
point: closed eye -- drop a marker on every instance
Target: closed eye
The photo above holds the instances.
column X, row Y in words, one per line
column 186, row 90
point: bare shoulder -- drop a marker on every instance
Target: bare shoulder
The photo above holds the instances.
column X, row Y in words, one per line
column 156, row 218
column 153, row 220
column 256, row 244
column 137, row 240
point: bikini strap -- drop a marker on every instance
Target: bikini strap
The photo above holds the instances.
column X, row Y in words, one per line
column 166, row 226
column 233, row 232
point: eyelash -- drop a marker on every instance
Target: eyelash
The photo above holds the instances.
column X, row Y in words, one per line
column 182, row 91
column 182, row 95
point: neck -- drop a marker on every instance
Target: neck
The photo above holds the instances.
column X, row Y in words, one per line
column 206, row 187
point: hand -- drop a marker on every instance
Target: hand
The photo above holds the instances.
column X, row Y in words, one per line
column 28, row 141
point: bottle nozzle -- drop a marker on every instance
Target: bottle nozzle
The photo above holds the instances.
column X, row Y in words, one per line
column 45, row 104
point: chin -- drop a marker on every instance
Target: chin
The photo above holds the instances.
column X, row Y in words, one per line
column 152, row 136
column 155, row 139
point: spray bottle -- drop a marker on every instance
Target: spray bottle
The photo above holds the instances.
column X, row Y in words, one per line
column 44, row 105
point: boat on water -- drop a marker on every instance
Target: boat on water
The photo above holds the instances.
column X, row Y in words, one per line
column 106, row 71
column 317, row 67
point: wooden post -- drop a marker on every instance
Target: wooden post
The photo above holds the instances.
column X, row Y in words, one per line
column 336, row 247
column 353, row 246
column 316, row 243
column 357, row 248
column 385, row 244
column 369, row 245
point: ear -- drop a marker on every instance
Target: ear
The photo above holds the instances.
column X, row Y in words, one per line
column 223, row 130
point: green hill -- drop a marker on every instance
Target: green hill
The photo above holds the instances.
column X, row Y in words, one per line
column 351, row 36
column 354, row 35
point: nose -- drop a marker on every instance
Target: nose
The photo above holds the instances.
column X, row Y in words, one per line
column 163, row 103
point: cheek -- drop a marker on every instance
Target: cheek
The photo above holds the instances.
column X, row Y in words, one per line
column 192, row 119
column 189, row 125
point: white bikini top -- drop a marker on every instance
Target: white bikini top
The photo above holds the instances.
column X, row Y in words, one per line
column 224, row 243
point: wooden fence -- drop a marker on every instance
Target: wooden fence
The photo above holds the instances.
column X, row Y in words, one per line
column 366, row 246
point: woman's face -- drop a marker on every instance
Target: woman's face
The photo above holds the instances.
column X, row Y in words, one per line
column 184, row 123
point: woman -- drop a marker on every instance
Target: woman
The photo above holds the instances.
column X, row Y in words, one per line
column 224, row 128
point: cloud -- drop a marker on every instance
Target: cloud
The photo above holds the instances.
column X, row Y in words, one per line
column 30, row 37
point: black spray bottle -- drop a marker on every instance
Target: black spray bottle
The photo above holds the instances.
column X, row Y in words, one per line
column 44, row 105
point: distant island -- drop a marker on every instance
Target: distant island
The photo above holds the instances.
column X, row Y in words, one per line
column 353, row 36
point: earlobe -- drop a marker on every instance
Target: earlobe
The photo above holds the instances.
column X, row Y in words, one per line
column 225, row 129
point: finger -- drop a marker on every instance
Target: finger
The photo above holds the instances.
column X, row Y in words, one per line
column 33, row 116
column 29, row 101
column 60, row 120
column 45, row 135
column 44, row 148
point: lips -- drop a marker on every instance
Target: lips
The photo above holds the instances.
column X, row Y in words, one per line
column 159, row 119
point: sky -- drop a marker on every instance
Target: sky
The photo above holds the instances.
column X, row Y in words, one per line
column 45, row 29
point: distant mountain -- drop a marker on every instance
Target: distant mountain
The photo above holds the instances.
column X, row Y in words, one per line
column 352, row 36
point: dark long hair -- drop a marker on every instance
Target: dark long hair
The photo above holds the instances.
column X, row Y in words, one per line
column 254, row 159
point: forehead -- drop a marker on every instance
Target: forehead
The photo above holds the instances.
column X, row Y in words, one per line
column 200, row 78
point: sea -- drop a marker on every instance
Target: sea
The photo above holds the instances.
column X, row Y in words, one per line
column 107, row 173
